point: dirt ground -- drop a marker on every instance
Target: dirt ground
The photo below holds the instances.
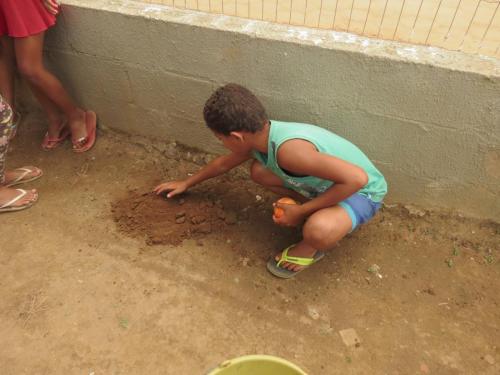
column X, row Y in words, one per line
column 100, row 277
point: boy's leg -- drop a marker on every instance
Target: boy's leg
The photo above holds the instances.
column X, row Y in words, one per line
column 7, row 62
column 269, row 180
column 321, row 231
column 29, row 52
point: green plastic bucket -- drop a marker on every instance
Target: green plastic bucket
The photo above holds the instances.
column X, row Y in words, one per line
column 257, row 365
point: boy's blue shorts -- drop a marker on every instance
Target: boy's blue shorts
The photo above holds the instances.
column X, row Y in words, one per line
column 360, row 209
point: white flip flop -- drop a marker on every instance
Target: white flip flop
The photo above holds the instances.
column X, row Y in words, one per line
column 7, row 207
column 20, row 179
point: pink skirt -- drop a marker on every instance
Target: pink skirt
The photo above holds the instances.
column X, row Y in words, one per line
column 22, row 18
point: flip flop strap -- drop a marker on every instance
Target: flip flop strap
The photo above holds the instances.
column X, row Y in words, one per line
column 63, row 133
column 26, row 171
column 20, row 196
column 294, row 260
column 54, row 140
column 80, row 142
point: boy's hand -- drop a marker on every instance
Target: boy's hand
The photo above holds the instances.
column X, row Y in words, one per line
column 174, row 188
column 52, row 6
column 292, row 215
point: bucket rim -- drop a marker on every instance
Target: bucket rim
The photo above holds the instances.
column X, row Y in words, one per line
column 256, row 357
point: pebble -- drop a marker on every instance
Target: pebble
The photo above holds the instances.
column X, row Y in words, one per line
column 414, row 211
column 204, row 228
column 349, row 337
column 313, row 313
column 180, row 214
column 180, row 220
column 171, row 150
column 489, row 358
column 198, row 219
column 374, row 268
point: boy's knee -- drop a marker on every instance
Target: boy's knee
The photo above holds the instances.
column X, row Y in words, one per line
column 317, row 231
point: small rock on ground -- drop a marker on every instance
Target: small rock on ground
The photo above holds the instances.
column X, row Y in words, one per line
column 349, row 337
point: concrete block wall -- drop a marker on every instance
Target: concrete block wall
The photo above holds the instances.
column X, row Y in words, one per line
column 429, row 118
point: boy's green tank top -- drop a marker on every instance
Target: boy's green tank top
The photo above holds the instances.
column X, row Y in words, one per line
column 325, row 142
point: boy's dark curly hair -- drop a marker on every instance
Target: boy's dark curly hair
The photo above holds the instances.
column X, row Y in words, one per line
column 234, row 108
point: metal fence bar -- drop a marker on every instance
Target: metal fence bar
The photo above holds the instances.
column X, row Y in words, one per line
column 416, row 18
column 350, row 15
column 468, row 27
column 367, row 14
column 489, row 24
column 453, row 19
column 383, row 16
column 399, row 19
column 335, row 14
column 320, row 12
column 433, row 21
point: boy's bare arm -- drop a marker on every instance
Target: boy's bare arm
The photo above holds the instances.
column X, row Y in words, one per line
column 302, row 158
column 215, row 168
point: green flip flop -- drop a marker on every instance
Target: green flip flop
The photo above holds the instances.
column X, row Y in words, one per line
column 273, row 266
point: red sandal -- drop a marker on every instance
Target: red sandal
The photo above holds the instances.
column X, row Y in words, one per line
column 52, row 143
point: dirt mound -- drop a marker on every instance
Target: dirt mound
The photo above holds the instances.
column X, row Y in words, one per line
column 210, row 209
column 165, row 221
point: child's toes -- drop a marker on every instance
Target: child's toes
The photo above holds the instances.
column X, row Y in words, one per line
column 295, row 268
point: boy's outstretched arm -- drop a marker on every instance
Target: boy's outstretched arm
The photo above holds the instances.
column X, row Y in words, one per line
column 215, row 168
column 301, row 157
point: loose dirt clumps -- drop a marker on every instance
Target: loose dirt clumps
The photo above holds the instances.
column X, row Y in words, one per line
column 169, row 221
column 164, row 221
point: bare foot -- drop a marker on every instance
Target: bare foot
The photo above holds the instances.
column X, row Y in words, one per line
column 301, row 250
column 78, row 125
column 56, row 125
column 28, row 173
column 8, row 194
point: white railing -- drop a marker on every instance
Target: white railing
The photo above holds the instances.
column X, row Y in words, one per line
column 471, row 26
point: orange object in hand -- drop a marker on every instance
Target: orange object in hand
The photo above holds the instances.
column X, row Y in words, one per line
column 278, row 212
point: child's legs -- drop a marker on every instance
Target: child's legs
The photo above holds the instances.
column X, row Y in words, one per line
column 29, row 55
column 269, row 180
column 7, row 194
column 7, row 62
column 321, row 231
column 51, row 110
column 326, row 227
